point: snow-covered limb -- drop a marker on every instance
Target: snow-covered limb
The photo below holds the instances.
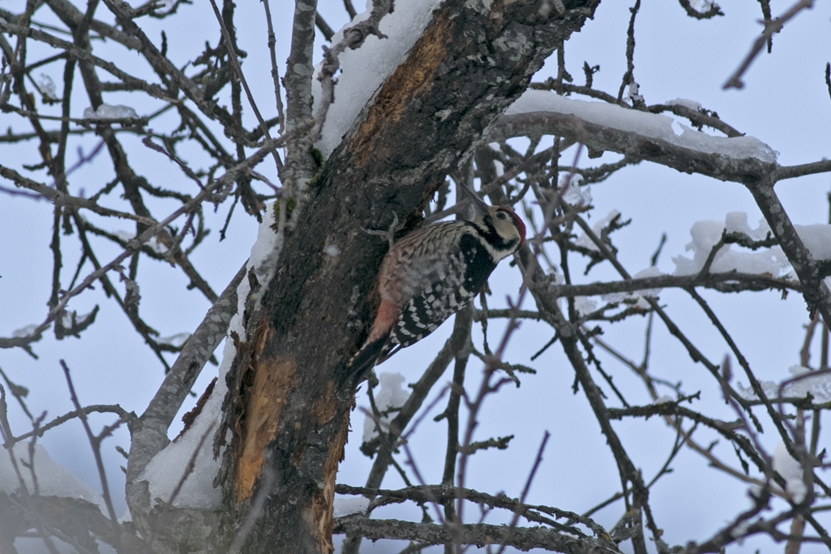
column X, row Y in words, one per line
column 701, row 9
column 707, row 235
column 646, row 136
column 641, row 135
column 696, row 114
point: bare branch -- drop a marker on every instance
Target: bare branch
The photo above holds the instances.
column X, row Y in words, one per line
column 771, row 27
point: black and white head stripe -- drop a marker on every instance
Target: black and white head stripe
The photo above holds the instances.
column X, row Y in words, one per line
column 520, row 225
column 503, row 232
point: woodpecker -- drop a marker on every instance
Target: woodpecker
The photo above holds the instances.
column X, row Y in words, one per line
column 432, row 273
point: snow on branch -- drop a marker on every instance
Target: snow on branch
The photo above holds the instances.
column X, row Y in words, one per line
column 52, row 478
column 642, row 135
column 363, row 70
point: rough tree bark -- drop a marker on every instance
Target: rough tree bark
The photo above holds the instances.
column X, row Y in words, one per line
column 290, row 398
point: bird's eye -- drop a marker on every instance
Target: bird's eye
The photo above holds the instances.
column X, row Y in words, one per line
column 500, row 215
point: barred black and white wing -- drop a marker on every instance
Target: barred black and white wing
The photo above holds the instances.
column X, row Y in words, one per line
column 441, row 275
column 431, row 274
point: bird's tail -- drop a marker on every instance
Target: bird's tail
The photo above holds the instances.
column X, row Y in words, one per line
column 376, row 345
column 365, row 359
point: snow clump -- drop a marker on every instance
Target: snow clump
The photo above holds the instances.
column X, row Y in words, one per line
column 52, row 478
column 584, row 305
column 575, row 193
column 348, row 505
column 706, row 234
column 391, row 395
column 586, row 242
column 47, row 87
column 105, row 111
column 819, row 387
column 771, row 261
column 790, row 470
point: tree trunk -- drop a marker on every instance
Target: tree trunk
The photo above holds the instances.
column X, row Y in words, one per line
column 289, row 394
